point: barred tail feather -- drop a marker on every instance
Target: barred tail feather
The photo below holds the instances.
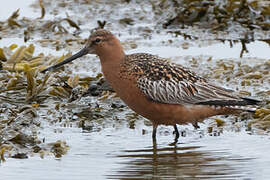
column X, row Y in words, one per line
column 244, row 104
column 240, row 102
column 244, row 108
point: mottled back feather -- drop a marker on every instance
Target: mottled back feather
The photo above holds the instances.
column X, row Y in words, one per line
column 165, row 82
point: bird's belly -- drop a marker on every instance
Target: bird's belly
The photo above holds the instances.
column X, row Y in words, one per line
column 159, row 113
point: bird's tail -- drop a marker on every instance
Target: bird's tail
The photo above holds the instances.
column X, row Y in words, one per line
column 244, row 104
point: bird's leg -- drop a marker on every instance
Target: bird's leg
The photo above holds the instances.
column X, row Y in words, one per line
column 176, row 133
column 195, row 125
column 154, row 133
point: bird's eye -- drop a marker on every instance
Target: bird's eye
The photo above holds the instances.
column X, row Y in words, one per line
column 97, row 40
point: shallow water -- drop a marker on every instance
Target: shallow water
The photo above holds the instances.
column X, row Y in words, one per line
column 125, row 153
column 256, row 49
column 8, row 7
column 118, row 152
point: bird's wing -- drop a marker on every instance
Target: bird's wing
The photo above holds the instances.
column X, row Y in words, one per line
column 166, row 82
column 186, row 92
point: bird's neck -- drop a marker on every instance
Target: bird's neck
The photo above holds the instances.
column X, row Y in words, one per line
column 111, row 61
column 110, row 64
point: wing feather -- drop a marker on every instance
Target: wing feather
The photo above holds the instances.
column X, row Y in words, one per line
column 184, row 92
column 166, row 82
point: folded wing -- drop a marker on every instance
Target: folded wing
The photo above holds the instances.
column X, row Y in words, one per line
column 188, row 92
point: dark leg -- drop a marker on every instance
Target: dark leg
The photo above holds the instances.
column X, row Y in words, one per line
column 154, row 133
column 176, row 132
column 195, row 125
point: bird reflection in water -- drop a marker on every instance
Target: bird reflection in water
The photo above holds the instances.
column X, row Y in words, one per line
column 173, row 162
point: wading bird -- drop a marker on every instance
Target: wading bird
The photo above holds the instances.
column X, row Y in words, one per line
column 159, row 90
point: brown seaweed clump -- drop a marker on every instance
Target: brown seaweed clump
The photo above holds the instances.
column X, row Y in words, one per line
column 215, row 15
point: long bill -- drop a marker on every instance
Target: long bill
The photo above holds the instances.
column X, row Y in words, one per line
column 81, row 53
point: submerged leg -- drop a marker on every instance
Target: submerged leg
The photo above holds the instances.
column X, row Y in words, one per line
column 154, row 133
column 176, row 132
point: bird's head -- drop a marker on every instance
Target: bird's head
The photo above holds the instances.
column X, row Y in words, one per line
column 102, row 43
